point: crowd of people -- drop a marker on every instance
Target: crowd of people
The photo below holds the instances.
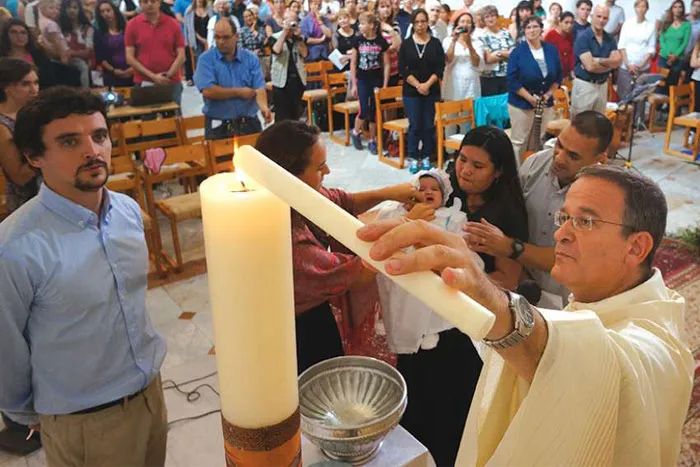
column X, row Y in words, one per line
column 468, row 55
column 542, row 229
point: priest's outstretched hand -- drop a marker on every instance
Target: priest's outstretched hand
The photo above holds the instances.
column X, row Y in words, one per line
column 448, row 255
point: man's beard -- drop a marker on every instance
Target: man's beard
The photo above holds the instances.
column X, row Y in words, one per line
column 90, row 185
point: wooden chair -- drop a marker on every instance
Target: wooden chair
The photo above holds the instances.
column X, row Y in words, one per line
column 503, row 22
column 452, row 113
column 562, row 112
column 683, row 95
column 125, row 178
column 222, row 151
column 183, row 207
column 221, row 155
column 193, row 126
column 336, row 84
column 315, row 73
column 142, row 135
column 656, row 100
column 124, row 91
column 387, row 99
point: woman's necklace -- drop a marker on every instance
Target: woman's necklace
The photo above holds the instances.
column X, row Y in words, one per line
column 418, row 50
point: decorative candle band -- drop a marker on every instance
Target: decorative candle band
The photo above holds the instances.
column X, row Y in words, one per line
column 269, row 446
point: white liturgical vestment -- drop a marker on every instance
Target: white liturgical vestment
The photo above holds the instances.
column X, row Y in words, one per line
column 612, row 388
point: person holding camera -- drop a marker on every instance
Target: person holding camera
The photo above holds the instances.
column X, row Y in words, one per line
column 288, row 72
column 463, row 59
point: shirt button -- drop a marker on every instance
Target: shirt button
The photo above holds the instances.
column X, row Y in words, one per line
column 81, row 224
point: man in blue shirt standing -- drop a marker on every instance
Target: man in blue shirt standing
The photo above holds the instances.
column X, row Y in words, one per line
column 231, row 82
column 596, row 56
column 80, row 358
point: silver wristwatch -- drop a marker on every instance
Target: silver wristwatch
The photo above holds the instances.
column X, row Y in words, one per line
column 523, row 323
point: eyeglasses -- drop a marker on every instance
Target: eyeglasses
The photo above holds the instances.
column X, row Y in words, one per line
column 581, row 222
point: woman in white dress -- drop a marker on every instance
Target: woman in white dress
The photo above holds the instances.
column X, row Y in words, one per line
column 463, row 58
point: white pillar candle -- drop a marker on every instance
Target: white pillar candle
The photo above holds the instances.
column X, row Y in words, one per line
column 247, row 236
column 259, row 172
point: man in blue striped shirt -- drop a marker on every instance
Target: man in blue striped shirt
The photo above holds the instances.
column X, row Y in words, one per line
column 80, row 357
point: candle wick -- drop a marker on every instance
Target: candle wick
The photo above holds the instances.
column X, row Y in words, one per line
column 245, row 188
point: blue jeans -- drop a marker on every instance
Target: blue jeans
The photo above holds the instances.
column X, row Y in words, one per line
column 365, row 95
column 421, row 124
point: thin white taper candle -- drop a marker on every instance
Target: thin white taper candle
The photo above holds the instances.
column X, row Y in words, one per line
column 259, row 172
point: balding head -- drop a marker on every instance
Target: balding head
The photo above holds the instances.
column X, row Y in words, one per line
column 599, row 17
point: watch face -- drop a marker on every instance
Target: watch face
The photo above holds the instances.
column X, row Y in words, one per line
column 525, row 312
column 518, row 246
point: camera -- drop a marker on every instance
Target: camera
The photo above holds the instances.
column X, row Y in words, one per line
column 461, row 30
column 293, row 25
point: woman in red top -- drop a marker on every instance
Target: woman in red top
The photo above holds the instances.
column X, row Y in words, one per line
column 563, row 39
column 325, row 273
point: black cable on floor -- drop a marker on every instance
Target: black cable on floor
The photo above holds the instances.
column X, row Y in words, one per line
column 191, row 396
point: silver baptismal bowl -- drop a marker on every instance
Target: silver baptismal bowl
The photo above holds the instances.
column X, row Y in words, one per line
column 349, row 404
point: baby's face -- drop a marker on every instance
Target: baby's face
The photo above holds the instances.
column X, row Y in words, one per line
column 431, row 191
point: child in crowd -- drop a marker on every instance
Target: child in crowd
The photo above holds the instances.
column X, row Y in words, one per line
column 369, row 69
column 345, row 37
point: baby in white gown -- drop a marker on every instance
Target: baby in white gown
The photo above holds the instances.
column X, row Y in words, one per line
column 411, row 325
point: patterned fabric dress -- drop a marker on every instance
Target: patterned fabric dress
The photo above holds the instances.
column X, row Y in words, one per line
column 324, row 270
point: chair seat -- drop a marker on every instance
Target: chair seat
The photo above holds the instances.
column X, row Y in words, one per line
column 691, row 120
column 351, row 107
column 556, row 126
column 121, row 181
column 182, row 207
column 314, row 94
column 658, row 99
column 400, row 124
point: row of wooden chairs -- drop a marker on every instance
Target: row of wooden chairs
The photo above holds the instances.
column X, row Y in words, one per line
column 188, row 159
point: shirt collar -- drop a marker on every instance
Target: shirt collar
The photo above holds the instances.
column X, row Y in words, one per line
column 236, row 57
column 646, row 295
column 73, row 212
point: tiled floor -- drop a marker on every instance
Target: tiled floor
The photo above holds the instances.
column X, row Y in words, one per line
column 181, row 310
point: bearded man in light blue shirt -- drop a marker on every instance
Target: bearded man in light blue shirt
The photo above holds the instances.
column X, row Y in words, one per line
column 81, row 359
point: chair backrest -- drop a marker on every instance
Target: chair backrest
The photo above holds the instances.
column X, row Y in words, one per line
column 316, row 71
column 681, row 95
column 221, row 155
column 124, row 91
column 503, row 22
column 146, row 134
column 561, row 103
column 189, row 153
column 387, row 99
column 192, row 129
column 336, row 83
column 455, row 113
column 118, row 142
column 222, row 151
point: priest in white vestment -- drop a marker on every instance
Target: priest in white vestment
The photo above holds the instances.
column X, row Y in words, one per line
column 608, row 380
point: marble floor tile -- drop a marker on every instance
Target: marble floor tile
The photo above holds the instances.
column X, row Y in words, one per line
column 185, row 342
column 205, row 323
column 161, row 307
column 191, row 294
column 197, row 443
